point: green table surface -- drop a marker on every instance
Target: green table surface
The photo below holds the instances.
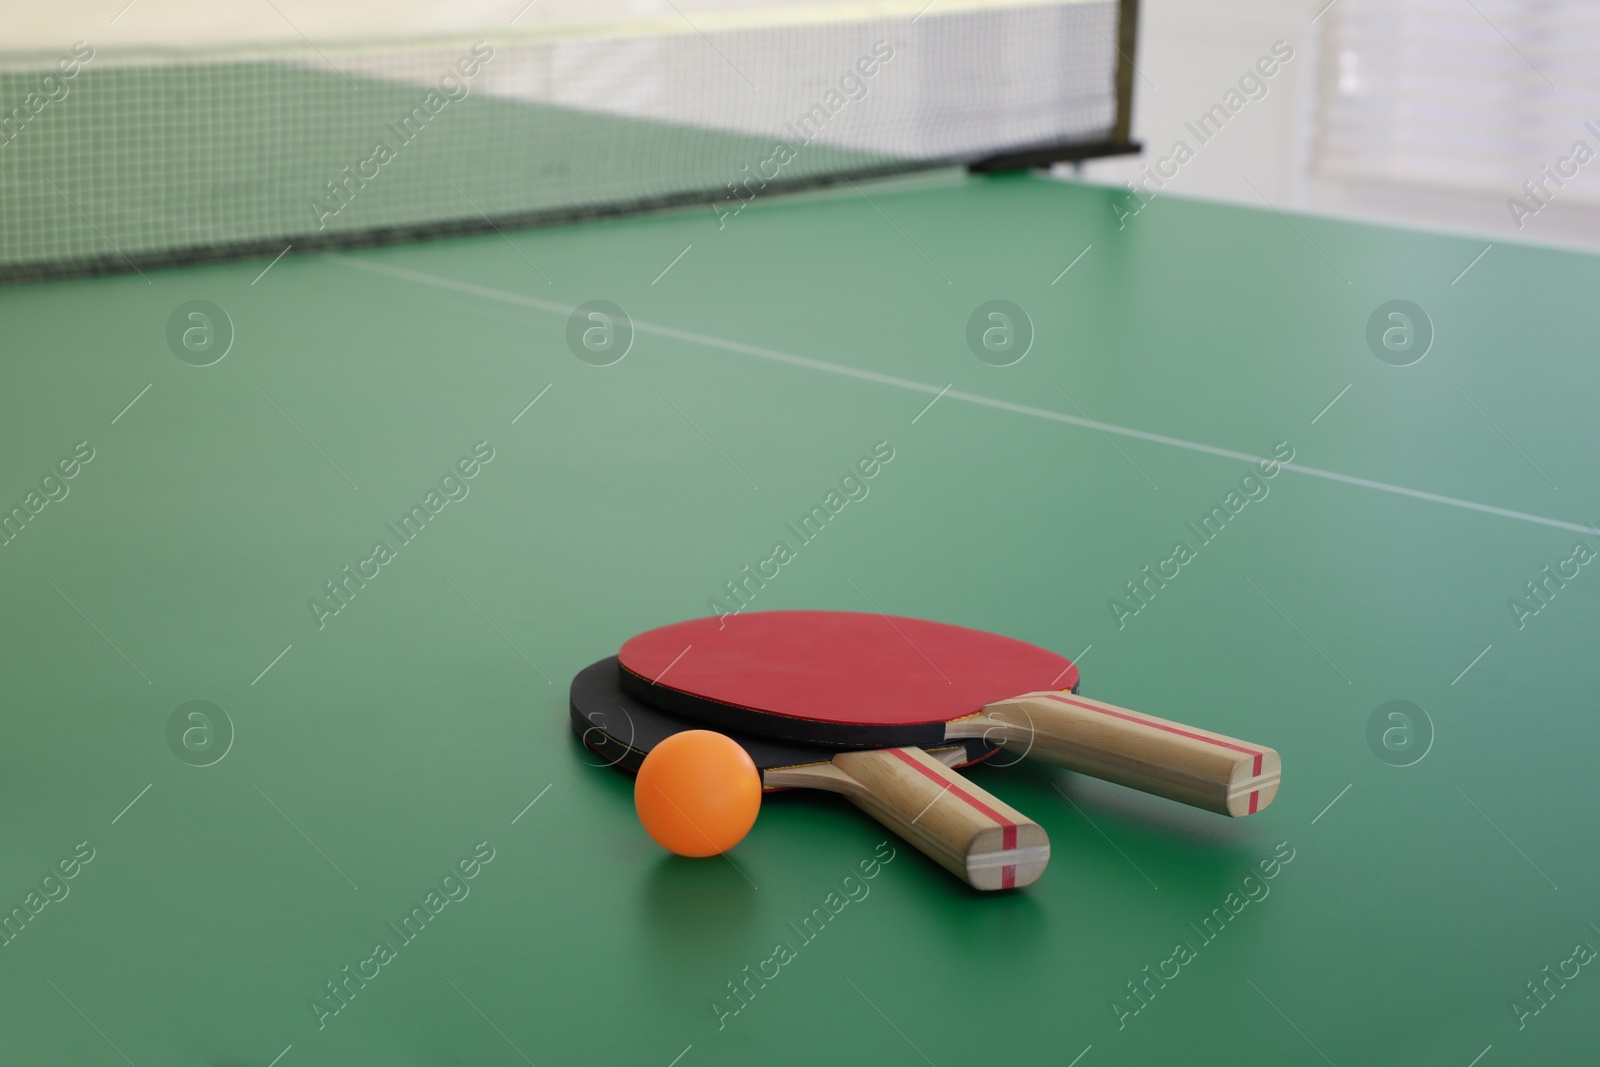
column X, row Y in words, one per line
column 1409, row 907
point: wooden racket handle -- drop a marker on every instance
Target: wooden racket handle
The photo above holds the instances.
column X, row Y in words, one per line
column 1186, row 764
column 977, row 837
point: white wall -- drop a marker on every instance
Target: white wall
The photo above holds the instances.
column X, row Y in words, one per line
column 1193, row 51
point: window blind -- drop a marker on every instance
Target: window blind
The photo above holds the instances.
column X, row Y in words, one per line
column 1480, row 96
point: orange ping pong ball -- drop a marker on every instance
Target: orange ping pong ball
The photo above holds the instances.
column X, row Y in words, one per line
column 697, row 793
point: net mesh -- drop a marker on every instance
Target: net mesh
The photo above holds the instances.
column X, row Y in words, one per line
column 110, row 161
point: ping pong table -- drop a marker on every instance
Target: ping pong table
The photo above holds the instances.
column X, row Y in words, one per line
column 288, row 772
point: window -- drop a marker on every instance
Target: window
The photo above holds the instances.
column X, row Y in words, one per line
column 1467, row 96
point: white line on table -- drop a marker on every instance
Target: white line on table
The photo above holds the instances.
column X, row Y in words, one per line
column 926, row 389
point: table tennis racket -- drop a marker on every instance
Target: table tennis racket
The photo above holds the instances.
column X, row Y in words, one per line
column 977, row 837
column 858, row 680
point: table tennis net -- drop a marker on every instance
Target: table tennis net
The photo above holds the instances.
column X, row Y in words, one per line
column 116, row 160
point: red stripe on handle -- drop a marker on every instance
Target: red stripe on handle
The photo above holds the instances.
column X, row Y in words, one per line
column 1008, row 829
column 1158, row 726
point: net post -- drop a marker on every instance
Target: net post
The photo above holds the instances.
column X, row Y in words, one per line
column 1119, row 143
column 1127, row 47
